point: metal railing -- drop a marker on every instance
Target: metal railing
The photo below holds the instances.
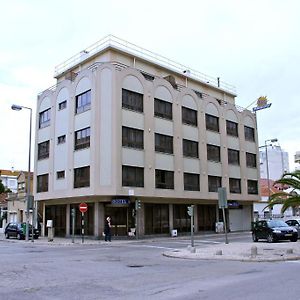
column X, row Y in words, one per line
column 112, row 41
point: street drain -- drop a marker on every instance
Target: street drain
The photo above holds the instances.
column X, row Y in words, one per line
column 268, row 249
column 135, row 266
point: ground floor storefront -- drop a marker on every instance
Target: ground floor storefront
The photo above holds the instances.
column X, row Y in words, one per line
column 150, row 218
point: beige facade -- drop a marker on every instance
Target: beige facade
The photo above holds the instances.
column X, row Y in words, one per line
column 106, row 74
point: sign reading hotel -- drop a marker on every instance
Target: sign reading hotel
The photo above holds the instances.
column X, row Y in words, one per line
column 262, row 103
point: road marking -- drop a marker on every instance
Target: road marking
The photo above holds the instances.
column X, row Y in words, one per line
column 158, row 247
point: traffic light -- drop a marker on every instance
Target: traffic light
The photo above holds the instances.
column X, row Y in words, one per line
column 138, row 204
column 190, row 210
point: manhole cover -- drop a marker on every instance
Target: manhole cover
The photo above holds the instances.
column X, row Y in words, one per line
column 135, row 266
column 268, row 249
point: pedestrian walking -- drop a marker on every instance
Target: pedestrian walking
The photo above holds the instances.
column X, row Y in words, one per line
column 107, row 229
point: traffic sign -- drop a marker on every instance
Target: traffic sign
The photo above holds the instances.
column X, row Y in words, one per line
column 83, row 207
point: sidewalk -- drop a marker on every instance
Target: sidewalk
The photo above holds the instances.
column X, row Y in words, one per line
column 238, row 251
column 248, row 252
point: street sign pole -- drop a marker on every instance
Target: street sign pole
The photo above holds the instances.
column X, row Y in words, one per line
column 73, row 224
column 222, row 198
column 82, row 227
column 191, row 214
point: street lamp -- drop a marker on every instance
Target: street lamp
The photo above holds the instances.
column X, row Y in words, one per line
column 267, row 164
column 18, row 108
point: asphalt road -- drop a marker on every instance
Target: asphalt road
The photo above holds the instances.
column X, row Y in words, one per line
column 137, row 270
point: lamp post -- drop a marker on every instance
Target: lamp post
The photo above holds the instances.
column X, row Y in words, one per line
column 267, row 165
column 18, row 108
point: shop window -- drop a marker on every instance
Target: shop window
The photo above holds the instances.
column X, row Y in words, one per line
column 157, row 218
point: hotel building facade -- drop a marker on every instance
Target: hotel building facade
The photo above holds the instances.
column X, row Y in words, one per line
column 123, row 124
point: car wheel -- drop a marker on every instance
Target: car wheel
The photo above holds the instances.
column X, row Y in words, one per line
column 6, row 235
column 295, row 239
column 254, row 237
column 19, row 236
column 270, row 238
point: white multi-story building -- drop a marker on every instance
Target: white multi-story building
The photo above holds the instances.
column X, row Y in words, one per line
column 123, row 124
column 278, row 161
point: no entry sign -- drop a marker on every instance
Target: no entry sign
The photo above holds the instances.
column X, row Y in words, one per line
column 83, row 207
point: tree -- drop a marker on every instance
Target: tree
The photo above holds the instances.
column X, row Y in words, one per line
column 289, row 198
column 2, row 187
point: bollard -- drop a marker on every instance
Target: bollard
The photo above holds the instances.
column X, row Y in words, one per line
column 289, row 251
column 219, row 252
column 253, row 251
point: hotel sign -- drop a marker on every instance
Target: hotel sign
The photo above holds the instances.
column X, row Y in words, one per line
column 262, row 103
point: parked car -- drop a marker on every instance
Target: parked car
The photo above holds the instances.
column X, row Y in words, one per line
column 18, row 230
column 295, row 222
column 273, row 230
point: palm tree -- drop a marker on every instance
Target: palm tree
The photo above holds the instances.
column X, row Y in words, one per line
column 287, row 199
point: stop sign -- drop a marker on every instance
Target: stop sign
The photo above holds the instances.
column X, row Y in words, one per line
column 83, row 207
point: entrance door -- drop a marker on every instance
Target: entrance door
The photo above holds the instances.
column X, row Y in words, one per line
column 119, row 220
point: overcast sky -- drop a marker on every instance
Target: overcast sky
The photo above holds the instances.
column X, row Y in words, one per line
column 254, row 45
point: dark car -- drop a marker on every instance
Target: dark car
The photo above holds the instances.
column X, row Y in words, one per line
column 294, row 223
column 273, row 230
column 18, row 230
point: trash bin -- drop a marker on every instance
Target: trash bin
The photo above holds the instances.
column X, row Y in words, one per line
column 219, row 227
column 174, row 232
column 50, row 230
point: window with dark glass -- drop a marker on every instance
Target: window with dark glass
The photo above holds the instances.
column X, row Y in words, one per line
column 214, row 182
column 189, row 116
column 61, row 139
column 249, row 134
column 213, row 153
column 44, row 118
column 82, row 177
column 83, row 102
column 191, row 182
column 233, row 157
column 132, row 100
column 164, row 179
column 43, row 150
column 62, row 105
column 42, row 183
column 212, row 122
column 163, row 143
column 232, row 128
column 162, row 109
column 235, row 185
column 132, row 176
column 190, row 148
column 252, row 187
column 250, row 160
column 133, row 138
column 60, row 174
column 82, row 138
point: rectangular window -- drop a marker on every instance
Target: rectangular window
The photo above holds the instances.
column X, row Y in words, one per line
column 44, row 118
column 252, row 187
column 235, row 185
column 214, row 182
column 249, row 134
column 250, row 160
column 213, row 153
column 62, row 105
column 191, row 182
column 233, row 157
column 190, row 148
column 189, row 116
column 43, row 150
column 163, row 143
column 132, row 100
column 232, row 128
column 60, row 174
column 212, row 122
column 42, row 183
column 164, row 179
column 132, row 176
column 82, row 177
column 82, row 138
column 133, row 138
column 83, row 102
column 162, row 109
column 61, row 139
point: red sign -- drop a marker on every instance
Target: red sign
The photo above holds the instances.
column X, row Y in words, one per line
column 83, row 207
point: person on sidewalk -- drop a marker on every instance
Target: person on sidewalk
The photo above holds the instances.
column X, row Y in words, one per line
column 107, row 229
